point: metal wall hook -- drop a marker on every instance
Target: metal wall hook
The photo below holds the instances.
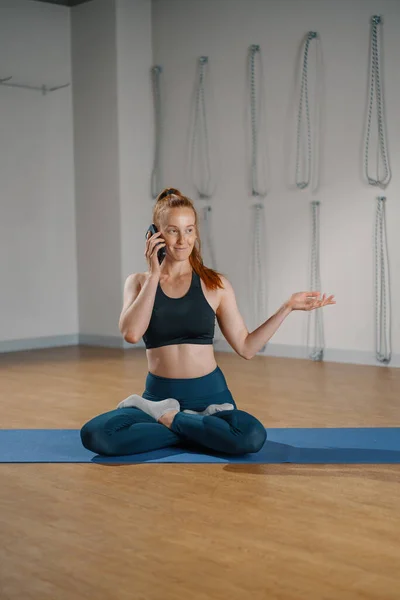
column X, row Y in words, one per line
column 42, row 88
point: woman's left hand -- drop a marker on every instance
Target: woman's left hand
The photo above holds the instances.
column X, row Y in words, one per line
column 309, row 301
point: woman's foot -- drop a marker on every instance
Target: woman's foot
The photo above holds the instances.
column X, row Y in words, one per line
column 168, row 417
column 210, row 410
column 154, row 409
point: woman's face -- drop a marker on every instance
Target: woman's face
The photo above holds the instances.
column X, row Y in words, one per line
column 179, row 231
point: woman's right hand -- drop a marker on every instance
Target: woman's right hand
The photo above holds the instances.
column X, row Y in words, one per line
column 153, row 245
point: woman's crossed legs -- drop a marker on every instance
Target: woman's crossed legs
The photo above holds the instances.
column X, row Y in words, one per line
column 127, row 431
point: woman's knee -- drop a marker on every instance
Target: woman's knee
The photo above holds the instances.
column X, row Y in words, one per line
column 248, row 434
column 252, row 433
column 86, row 434
column 96, row 439
column 254, row 438
column 88, row 437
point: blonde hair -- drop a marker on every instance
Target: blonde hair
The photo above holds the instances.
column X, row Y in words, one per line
column 172, row 198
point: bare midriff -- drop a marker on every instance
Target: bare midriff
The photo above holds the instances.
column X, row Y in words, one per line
column 181, row 361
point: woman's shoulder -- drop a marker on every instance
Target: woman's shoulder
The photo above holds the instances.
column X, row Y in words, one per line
column 227, row 287
column 137, row 279
column 218, row 294
column 225, row 281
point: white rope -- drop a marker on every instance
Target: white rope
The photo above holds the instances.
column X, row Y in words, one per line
column 256, row 92
column 257, row 287
column 257, row 271
column 376, row 91
column 316, row 349
column 200, row 164
column 207, row 236
column 308, row 125
column 156, row 175
column 382, row 287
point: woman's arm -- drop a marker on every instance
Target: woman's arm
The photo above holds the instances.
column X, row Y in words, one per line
column 234, row 329
column 248, row 344
column 138, row 306
column 260, row 336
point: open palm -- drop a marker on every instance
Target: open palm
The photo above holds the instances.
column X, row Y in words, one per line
column 309, row 301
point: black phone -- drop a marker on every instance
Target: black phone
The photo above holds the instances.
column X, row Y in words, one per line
column 161, row 253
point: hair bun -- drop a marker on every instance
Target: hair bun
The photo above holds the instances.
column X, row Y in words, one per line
column 169, row 192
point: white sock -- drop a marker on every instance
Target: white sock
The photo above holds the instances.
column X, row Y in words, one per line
column 210, row 410
column 154, row 409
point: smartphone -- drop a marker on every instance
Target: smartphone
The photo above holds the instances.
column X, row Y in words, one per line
column 161, row 253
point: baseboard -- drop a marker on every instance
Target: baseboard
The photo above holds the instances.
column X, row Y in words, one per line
column 358, row 357
column 53, row 341
column 57, row 341
column 107, row 341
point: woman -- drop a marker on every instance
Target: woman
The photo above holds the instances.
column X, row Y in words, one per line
column 173, row 306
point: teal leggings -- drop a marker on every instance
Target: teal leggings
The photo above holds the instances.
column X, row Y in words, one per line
column 130, row 431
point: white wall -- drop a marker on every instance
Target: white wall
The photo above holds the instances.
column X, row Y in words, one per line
column 94, row 65
column 111, row 56
column 37, row 224
column 183, row 30
column 135, row 120
column 76, row 191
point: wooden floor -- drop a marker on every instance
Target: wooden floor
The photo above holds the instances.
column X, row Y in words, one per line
column 198, row 532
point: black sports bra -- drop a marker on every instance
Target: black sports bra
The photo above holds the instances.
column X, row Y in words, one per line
column 186, row 320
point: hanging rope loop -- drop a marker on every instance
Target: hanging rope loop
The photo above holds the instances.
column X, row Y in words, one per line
column 382, row 286
column 200, row 146
column 254, row 54
column 156, row 175
column 303, row 178
column 316, row 353
column 257, row 281
column 376, row 92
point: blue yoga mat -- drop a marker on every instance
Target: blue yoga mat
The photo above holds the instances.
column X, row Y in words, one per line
column 307, row 446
